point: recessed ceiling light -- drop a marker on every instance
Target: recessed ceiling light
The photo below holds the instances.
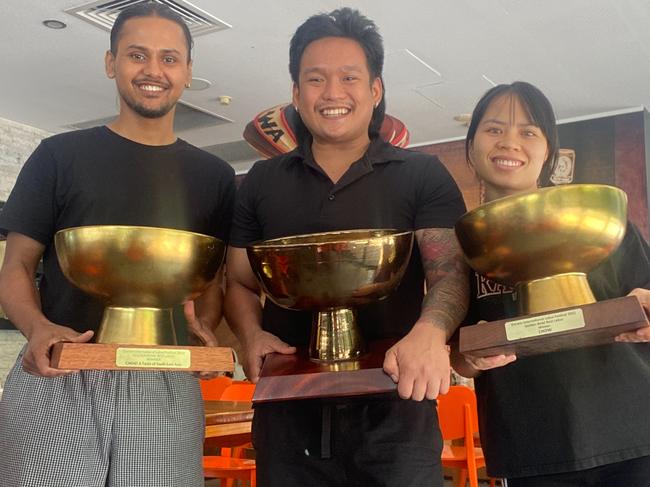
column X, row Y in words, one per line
column 198, row 84
column 54, row 24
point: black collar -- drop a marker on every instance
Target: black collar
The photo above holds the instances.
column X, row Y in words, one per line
column 379, row 152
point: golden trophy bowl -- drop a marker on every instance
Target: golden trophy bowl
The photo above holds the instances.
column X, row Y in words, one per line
column 543, row 243
column 330, row 274
column 140, row 273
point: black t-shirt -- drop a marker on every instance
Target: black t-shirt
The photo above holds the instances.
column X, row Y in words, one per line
column 570, row 410
column 96, row 177
column 387, row 188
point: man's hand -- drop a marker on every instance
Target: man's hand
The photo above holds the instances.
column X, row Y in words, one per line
column 36, row 360
column 244, row 314
column 258, row 345
column 642, row 334
column 200, row 333
column 419, row 363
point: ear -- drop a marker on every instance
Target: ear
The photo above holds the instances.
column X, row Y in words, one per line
column 188, row 81
column 470, row 163
column 295, row 94
column 377, row 89
column 109, row 64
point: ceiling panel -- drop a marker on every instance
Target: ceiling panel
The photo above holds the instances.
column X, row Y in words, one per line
column 589, row 56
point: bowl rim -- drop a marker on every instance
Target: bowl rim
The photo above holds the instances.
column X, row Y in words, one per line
column 548, row 189
column 275, row 242
column 137, row 227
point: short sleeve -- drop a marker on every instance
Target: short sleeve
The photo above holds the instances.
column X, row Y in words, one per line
column 31, row 206
column 246, row 227
column 627, row 268
column 224, row 210
column 439, row 201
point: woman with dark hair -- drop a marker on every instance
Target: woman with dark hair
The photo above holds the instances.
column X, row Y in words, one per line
column 573, row 417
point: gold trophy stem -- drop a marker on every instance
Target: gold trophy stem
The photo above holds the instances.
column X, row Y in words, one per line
column 555, row 292
column 137, row 326
column 335, row 336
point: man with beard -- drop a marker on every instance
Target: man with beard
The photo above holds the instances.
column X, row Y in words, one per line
column 105, row 428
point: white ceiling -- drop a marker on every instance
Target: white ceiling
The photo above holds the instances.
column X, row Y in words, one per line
column 588, row 56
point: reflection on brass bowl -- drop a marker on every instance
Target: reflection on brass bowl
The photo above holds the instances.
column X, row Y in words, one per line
column 140, row 273
column 330, row 273
column 544, row 242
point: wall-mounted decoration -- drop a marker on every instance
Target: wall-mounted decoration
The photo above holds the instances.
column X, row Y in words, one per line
column 564, row 168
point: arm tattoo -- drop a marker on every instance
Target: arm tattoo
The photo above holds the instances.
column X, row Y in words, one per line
column 446, row 274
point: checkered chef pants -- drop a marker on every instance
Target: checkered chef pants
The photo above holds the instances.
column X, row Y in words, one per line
column 101, row 429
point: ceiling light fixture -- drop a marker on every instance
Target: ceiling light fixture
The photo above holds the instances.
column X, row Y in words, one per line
column 198, row 84
column 225, row 99
column 54, row 24
column 463, row 118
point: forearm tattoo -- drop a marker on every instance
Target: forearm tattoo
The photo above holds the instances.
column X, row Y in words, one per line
column 446, row 274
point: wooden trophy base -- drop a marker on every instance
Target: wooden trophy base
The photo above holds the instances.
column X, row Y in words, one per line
column 568, row 328
column 289, row 377
column 110, row 356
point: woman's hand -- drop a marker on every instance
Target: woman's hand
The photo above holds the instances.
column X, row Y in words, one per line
column 491, row 362
column 642, row 334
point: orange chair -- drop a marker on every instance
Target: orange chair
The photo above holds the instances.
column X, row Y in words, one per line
column 238, row 390
column 219, row 467
column 211, row 389
column 231, row 465
column 458, row 420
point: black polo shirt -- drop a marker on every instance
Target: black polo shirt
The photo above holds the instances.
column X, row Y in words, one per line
column 387, row 188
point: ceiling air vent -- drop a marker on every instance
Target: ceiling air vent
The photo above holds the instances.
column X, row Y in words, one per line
column 187, row 117
column 103, row 14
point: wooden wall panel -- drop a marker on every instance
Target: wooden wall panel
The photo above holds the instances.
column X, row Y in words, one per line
column 609, row 150
column 630, row 166
column 452, row 155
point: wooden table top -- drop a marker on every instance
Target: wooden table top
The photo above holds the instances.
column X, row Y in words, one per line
column 228, row 423
column 225, row 412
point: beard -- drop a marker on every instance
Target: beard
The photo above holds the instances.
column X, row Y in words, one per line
column 144, row 111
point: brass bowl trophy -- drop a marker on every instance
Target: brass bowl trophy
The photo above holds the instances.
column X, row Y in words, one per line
column 141, row 273
column 329, row 274
column 542, row 244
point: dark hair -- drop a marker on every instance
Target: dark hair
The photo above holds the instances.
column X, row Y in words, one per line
column 149, row 9
column 539, row 110
column 350, row 24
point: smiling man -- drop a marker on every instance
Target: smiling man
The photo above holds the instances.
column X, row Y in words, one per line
column 103, row 428
column 341, row 177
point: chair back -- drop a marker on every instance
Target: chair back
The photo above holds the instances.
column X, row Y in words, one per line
column 239, row 391
column 457, row 413
column 212, row 389
column 459, row 420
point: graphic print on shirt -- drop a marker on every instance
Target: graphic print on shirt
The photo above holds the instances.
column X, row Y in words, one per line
column 487, row 287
